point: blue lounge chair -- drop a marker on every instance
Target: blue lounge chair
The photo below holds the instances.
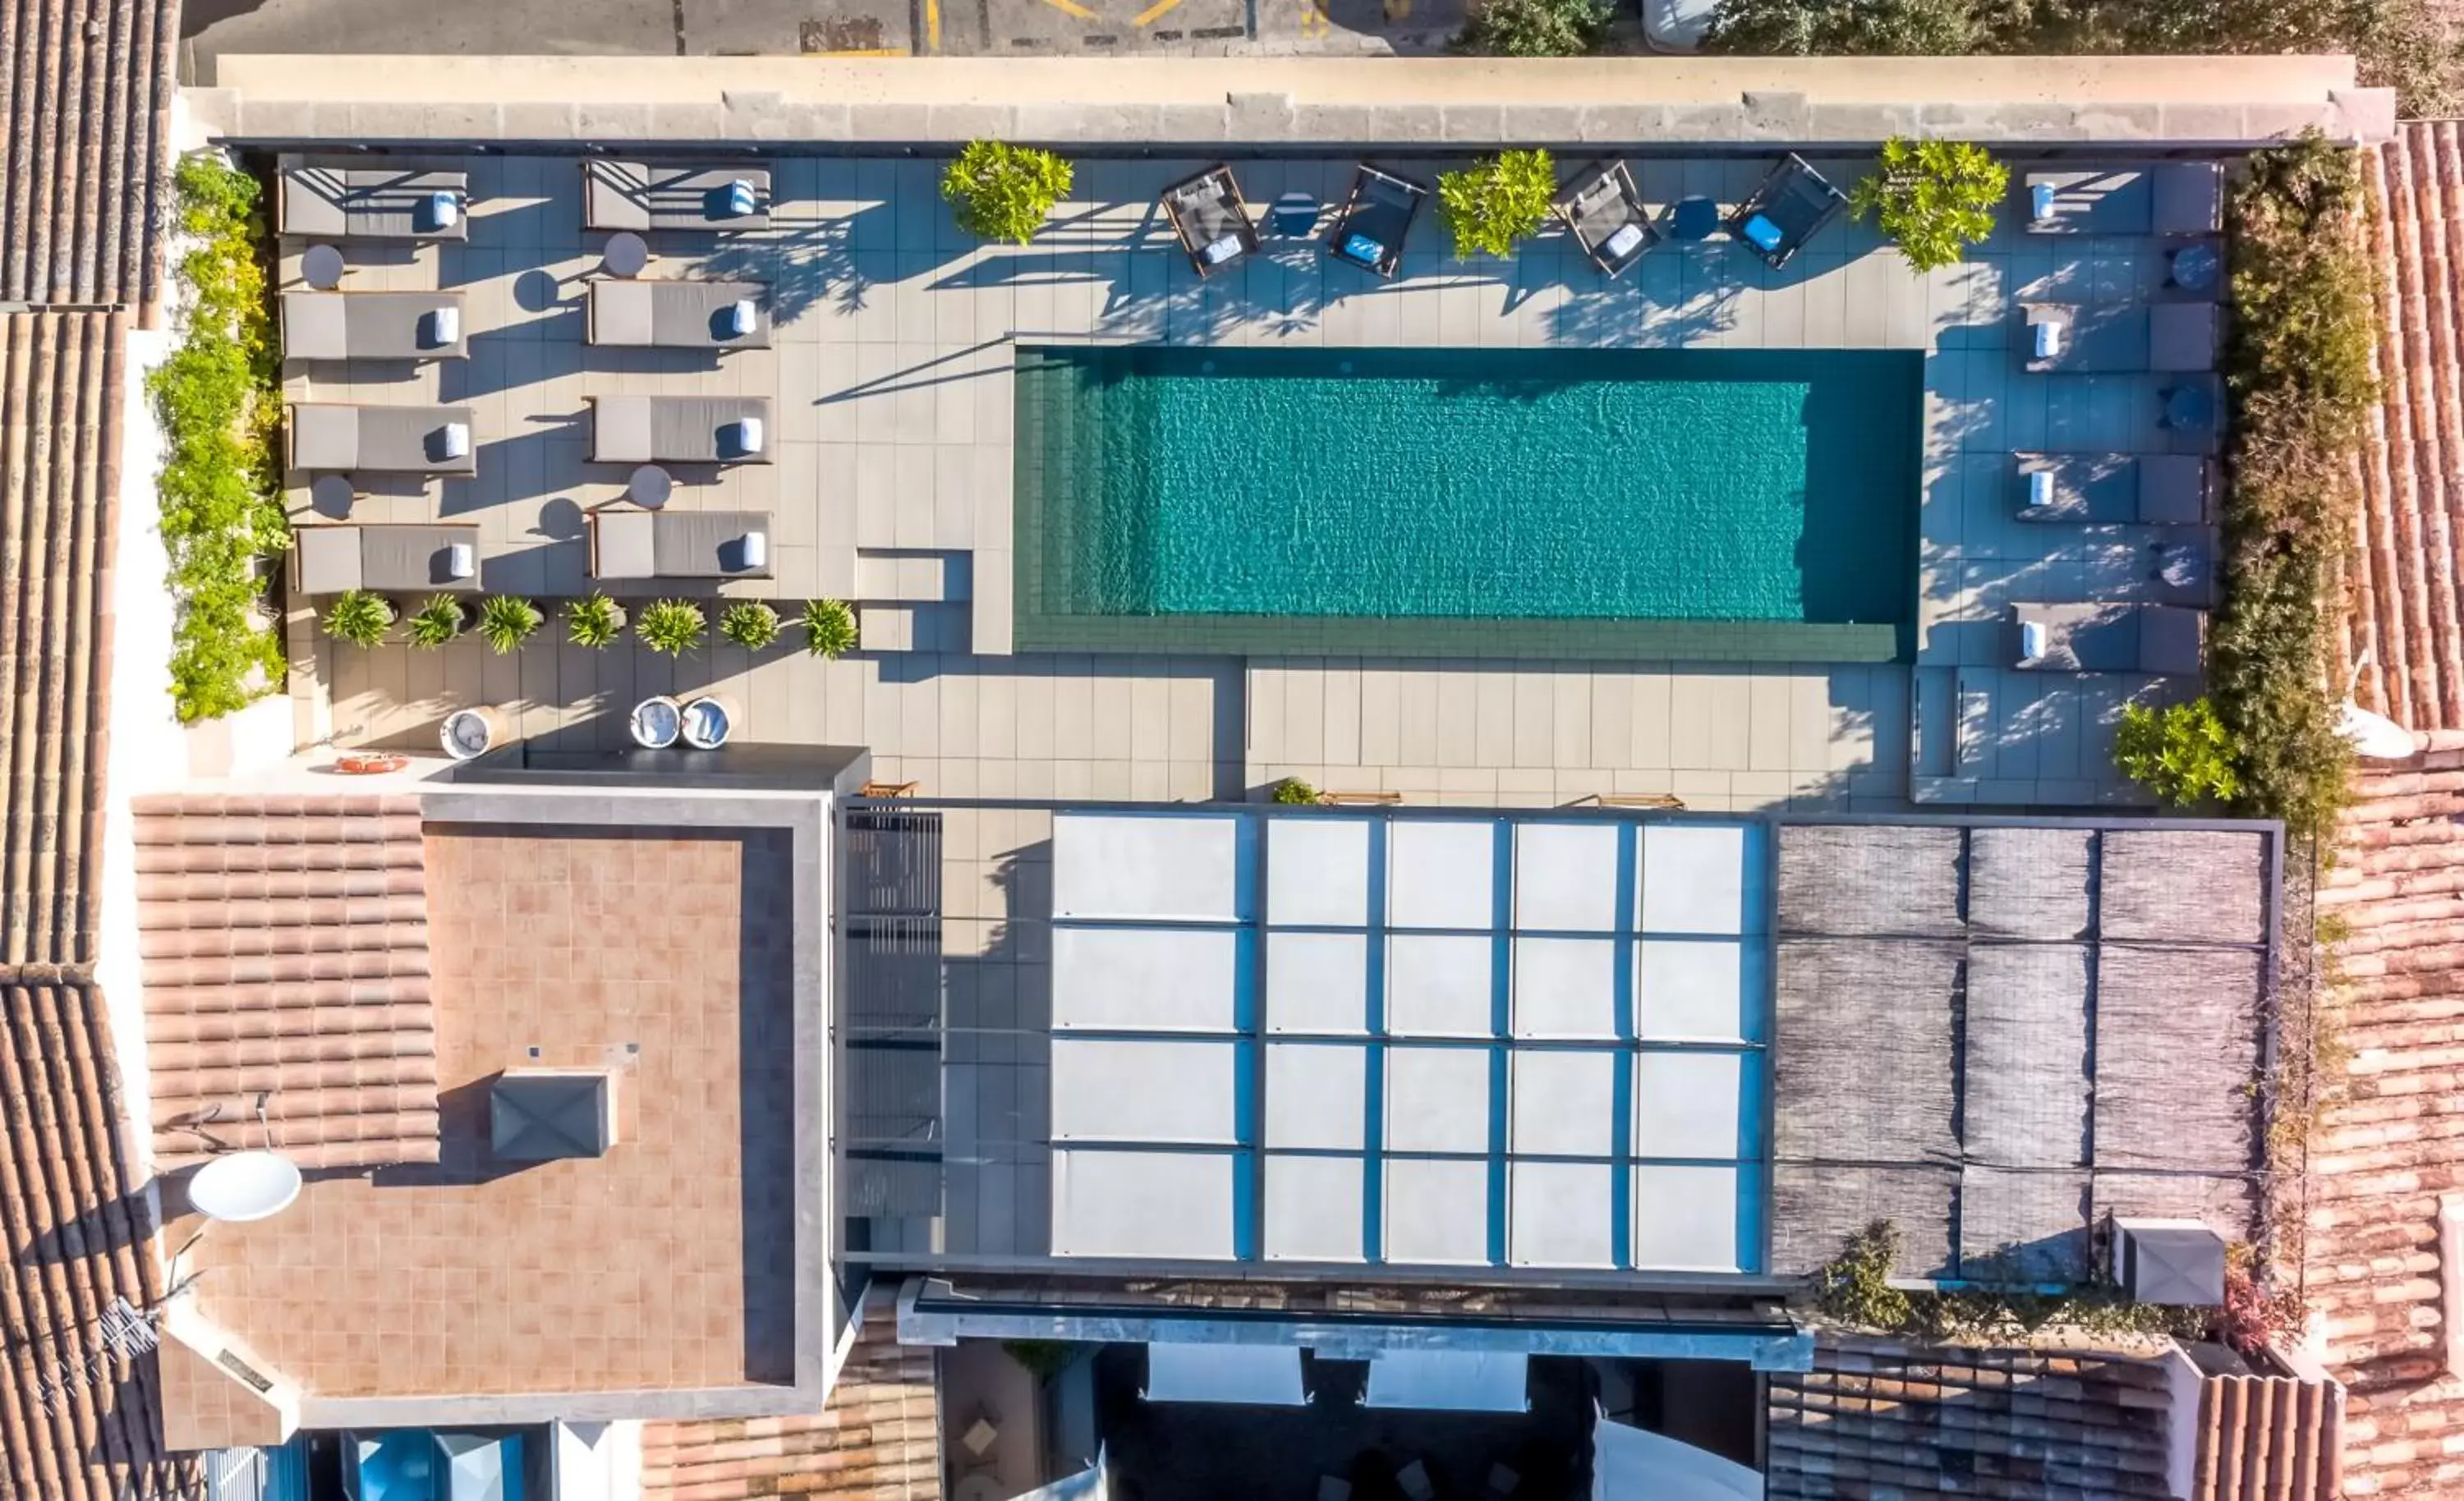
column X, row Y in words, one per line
column 1790, row 206
column 1369, row 233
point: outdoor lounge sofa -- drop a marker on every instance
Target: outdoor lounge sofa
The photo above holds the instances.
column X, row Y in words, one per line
column 2150, row 488
column 372, row 325
column 1376, row 217
column 1605, row 213
column 335, row 559
column 628, row 543
column 2173, row 337
column 1791, row 208
column 690, row 429
column 373, row 202
column 679, row 314
column 1212, row 220
column 2160, row 198
column 646, row 195
column 2108, row 637
column 381, row 440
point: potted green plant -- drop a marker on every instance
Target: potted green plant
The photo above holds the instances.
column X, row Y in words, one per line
column 749, row 623
column 998, row 191
column 437, row 622
column 1933, row 198
column 507, row 621
column 594, row 622
column 1497, row 202
column 2184, row 754
column 1293, row 789
column 829, row 627
column 671, row 627
column 360, row 618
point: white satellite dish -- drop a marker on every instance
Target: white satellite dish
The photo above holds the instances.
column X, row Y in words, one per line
column 2375, row 736
column 244, row 1187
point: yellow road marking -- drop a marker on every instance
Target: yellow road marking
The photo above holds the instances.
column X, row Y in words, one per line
column 1072, row 8
column 932, row 25
column 1314, row 22
column 1148, row 17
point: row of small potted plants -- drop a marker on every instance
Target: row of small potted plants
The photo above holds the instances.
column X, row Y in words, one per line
column 670, row 627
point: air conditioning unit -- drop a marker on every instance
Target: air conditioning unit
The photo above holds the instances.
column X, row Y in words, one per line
column 2180, row 1263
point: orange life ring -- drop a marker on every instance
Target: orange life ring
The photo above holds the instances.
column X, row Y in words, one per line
column 369, row 763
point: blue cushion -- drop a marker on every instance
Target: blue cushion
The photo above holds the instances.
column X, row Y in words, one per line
column 1364, row 250
column 1763, row 232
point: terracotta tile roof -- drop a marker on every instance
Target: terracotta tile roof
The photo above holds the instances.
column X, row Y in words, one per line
column 59, row 488
column 2267, row 1438
column 85, row 104
column 72, row 1244
column 285, row 948
column 878, row 1437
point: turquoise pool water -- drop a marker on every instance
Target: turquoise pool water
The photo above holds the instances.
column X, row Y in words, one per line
column 1507, row 485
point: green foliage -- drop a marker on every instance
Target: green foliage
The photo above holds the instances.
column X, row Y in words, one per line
column 1933, row 198
column 2184, row 754
column 1826, row 28
column 670, row 627
column 437, row 622
column 594, row 622
column 1496, row 202
column 998, row 191
column 1534, row 29
column 360, row 618
column 829, row 627
column 1853, row 1288
column 506, row 621
column 1041, row 1359
column 218, row 398
column 1293, row 789
column 749, row 623
column 2002, row 1304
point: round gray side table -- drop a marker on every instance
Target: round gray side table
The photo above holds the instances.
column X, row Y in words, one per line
column 321, row 265
column 330, row 495
column 649, row 487
column 626, row 255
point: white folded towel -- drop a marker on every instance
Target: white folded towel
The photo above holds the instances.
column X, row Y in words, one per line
column 2040, row 488
column 756, row 549
column 461, row 560
column 740, row 320
column 456, row 441
column 748, row 434
column 444, row 326
column 2033, row 639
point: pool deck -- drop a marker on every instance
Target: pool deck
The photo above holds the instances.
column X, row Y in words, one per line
column 893, row 478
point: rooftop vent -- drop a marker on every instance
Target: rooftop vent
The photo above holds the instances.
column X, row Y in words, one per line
column 540, row 1115
column 2180, row 1263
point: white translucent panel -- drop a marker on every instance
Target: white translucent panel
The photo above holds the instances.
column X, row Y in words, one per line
column 1143, row 1204
column 1686, row 1104
column 1691, row 989
column 1250, row 1374
column 1562, row 1104
column 1317, row 871
column 1441, row 873
column 1635, row 1461
column 1437, row 1211
column 1450, row 1381
column 1317, row 1095
column 1317, row 982
column 1440, row 984
column 1161, row 866
column 1437, row 1100
column 1144, row 979
column 1694, row 880
column 1565, row 877
column 1107, row 1088
column 1685, row 1218
column 1565, row 987
column 1561, row 1214
column 1315, row 1208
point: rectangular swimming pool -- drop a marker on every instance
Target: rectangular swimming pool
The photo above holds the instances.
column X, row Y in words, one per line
column 1577, row 503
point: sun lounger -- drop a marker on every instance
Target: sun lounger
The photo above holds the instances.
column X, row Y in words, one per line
column 679, row 544
column 372, row 325
column 1213, row 222
column 679, row 314
column 2109, row 638
column 2150, row 488
column 1790, row 206
column 2062, row 336
column 643, row 195
column 373, row 202
column 1606, row 216
column 1369, row 233
column 702, row 430
column 2160, row 198
column 428, row 558
column 381, row 440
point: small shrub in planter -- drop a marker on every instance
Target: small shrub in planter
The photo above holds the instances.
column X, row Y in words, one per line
column 507, row 621
column 998, row 191
column 438, row 621
column 671, row 627
column 750, row 624
column 594, row 622
column 2184, row 754
column 1534, row 29
column 1870, row 27
column 1293, row 789
column 829, row 627
column 1497, row 202
column 359, row 618
column 1933, row 198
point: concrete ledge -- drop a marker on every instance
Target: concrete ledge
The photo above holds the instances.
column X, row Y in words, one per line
column 1685, row 103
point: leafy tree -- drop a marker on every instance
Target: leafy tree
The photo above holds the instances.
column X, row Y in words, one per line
column 1499, row 201
column 359, row 618
column 829, row 627
column 506, row 621
column 998, row 191
column 1293, row 789
column 749, row 623
column 594, row 622
column 671, row 627
column 1534, row 29
column 2184, row 754
column 1933, row 198
column 1829, row 28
